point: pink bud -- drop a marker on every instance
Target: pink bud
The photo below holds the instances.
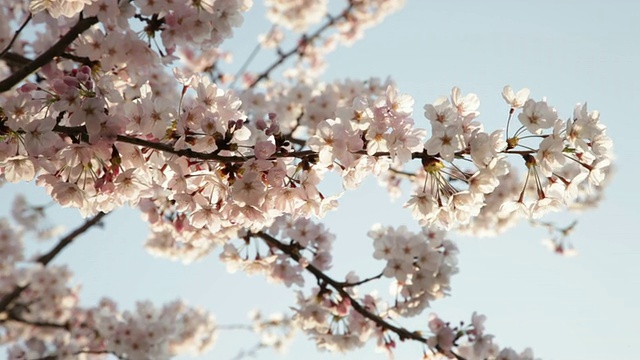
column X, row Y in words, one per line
column 82, row 77
column 28, row 87
column 59, row 86
column 71, row 81
column 261, row 124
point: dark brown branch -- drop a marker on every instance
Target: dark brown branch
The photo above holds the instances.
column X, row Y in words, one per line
column 520, row 152
column 364, row 281
column 46, row 258
column 79, row 59
column 56, row 50
column 81, row 130
column 214, row 156
column 181, row 152
column 292, row 252
column 15, row 60
column 16, row 318
column 339, row 287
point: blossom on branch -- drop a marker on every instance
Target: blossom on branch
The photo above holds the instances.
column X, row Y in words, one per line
column 129, row 105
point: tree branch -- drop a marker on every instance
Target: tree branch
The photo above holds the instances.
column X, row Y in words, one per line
column 46, row 258
column 291, row 251
column 56, row 50
column 304, row 39
column 79, row 59
column 358, row 283
column 15, row 36
column 403, row 333
column 16, row 318
column 15, row 61
column 81, row 130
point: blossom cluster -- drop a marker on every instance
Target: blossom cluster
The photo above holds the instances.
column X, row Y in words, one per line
column 299, row 15
column 311, row 240
column 296, row 15
column 478, row 345
column 216, row 170
column 566, row 168
column 46, row 319
column 348, row 26
column 205, row 23
column 224, row 162
column 103, row 124
column 147, row 333
column 152, row 333
column 421, row 265
column 275, row 330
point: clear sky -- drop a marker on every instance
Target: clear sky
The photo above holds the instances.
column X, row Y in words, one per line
column 586, row 307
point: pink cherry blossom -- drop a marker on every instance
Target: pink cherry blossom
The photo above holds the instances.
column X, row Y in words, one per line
column 240, row 165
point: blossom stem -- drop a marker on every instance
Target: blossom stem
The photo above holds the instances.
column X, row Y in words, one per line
column 509, row 122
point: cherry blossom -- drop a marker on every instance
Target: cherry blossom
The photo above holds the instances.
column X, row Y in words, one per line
column 516, row 100
column 128, row 107
column 537, row 115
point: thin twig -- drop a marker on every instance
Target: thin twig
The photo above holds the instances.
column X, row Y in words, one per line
column 249, row 353
column 304, row 39
column 402, row 173
column 46, row 258
column 15, row 36
column 234, row 327
column 246, row 63
column 358, row 283
column 291, row 251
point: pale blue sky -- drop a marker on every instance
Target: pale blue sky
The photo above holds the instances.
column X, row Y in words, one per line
column 585, row 307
